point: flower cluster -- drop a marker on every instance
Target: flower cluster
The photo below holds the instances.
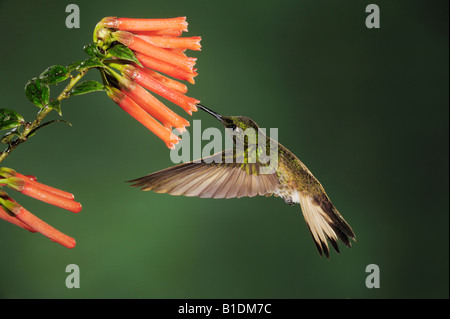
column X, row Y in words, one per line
column 13, row 212
column 157, row 48
column 135, row 58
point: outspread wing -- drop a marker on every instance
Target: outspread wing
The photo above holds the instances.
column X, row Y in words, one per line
column 209, row 179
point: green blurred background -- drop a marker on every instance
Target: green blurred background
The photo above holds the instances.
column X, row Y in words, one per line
column 366, row 110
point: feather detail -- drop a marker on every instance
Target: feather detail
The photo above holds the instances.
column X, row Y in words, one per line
column 325, row 223
column 208, row 179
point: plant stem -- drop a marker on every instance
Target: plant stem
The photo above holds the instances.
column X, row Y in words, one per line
column 43, row 112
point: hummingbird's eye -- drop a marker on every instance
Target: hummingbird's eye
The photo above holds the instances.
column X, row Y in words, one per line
column 233, row 127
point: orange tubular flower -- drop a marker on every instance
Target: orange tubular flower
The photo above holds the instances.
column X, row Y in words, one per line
column 153, row 106
column 14, row 213
column 157, row 45
column 33, row 180
column 44, row 193
column 175, row 85
column 40, row 226
column 128, row 24
column 150, row 83
column 179, row 52
column 168, row 32
column 129, row 106
column 13, row 220
column 163, row 67
column 137, row 44
column 192, row 43
column 32, row 190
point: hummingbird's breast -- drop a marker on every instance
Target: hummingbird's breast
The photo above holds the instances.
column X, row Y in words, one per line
column 294, row 177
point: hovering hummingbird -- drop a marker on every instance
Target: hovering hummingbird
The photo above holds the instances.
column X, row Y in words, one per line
column 238, row 172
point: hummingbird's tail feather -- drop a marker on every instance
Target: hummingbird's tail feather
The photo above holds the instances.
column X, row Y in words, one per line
column 325, row 223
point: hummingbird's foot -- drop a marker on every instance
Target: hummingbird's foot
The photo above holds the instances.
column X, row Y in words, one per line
column 288, row 200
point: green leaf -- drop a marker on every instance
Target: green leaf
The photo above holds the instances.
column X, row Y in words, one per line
column 87, row 87
column 74, row 65
column 92, row 62
column 122, row 52
column 93, row 51
column 55, row 105
column 54, row 74
column 37, row 92
column 10, row 119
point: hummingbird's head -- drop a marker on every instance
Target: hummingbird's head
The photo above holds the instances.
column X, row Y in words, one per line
column 232, row 122
column 241, row 128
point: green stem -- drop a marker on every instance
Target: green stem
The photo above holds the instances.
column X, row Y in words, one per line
column 44, row 111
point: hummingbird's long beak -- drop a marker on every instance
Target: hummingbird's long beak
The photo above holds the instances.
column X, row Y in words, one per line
column 216, row 115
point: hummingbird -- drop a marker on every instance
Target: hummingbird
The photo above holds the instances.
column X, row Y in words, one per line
column 239, row 172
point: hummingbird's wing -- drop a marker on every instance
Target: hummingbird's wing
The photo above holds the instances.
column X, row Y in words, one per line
column 212, row 177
